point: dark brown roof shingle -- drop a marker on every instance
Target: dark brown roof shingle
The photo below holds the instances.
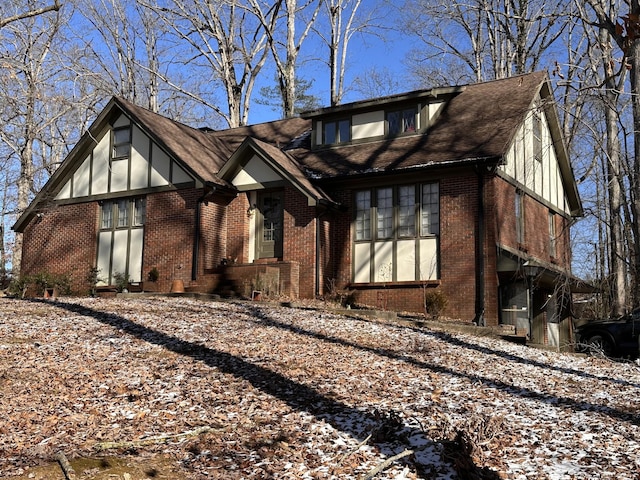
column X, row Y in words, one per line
column 477, row 123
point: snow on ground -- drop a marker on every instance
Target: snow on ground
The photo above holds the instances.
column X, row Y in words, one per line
column 302, row 394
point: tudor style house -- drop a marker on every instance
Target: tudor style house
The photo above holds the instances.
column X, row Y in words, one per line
column 466, row 190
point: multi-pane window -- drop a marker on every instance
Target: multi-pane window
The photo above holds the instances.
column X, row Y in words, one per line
column 430, row 212
column 123, row 213
column 363, row 215
column 139, row 212
column 519, row 214
column 552, row 234
column 337, row 132
column 121, row 142
column 402, row 121
column 397, row 212
column 384, row 213
column 407, row 211
column 396, row 233
column 537, row 137
column 126, row 212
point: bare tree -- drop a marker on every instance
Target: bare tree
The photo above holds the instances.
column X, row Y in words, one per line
column 342, row 20
column 225, row 42
column 30, row 74
column 30, row 13
column 491, row 38
column 285, row 50
column 622, row 30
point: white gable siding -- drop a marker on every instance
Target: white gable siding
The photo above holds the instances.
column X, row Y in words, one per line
column 82, row 179
column 146, row 166
column 255, row 173
column 160, row 167
column 100, row 171
column 139, row 159
column 543, row 176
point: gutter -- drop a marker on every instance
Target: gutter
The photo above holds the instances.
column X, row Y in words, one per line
column 318, row 255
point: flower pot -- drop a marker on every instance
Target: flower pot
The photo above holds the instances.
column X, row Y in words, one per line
column 177, row 286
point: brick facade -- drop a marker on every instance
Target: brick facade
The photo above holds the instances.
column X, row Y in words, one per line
column 62, row 240
column 224, row 238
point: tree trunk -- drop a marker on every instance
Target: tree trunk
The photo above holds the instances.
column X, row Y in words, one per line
column 614, row 181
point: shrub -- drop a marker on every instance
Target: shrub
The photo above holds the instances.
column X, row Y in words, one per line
column 121, row 281
column 435, row 302
column 40, row 282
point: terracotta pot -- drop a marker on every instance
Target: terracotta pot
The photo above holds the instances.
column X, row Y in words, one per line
column 177, row 286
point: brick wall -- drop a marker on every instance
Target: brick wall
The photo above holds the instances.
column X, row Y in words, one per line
column 62, row 241
column 300, row 239
column 536, row 231
column 237, row 230
column 169, row 232
column 458, row 225
column 213, row 241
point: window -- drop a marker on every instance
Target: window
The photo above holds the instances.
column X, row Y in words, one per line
column 120, row 240
column 406, row 211
column 337, row 132
column 396, row 232
column 384, row 213
column 121, row 142
column 552, row 234
column 430, row 214
column 402, row 121
column 363, row 215
column 128, row 212
column 537, row 137
column 519, row 213
column 139, row 212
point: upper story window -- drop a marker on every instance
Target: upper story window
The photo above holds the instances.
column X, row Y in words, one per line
column 338, row 131
column 121, row 142
column 402, row 121
column 537, row 136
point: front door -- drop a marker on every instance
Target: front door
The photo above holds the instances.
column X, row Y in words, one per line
column 269, row 224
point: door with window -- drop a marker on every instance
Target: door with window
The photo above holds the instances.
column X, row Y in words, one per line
column 269, row 223
column 120, row 240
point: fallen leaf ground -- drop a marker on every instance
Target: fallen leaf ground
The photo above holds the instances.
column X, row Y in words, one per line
column 198, row 390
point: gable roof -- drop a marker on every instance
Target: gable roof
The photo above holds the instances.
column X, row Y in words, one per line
column 479, row 121
column 279, row 161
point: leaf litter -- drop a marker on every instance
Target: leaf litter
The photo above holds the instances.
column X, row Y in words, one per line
column 251, row 391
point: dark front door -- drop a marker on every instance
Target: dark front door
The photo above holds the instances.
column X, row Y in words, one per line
column 269, row 223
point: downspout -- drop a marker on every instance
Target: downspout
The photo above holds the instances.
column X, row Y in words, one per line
column 318, row 247
column 480, row 284
column 209, row 188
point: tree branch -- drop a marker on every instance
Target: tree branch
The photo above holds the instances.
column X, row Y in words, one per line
column 32, row 13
